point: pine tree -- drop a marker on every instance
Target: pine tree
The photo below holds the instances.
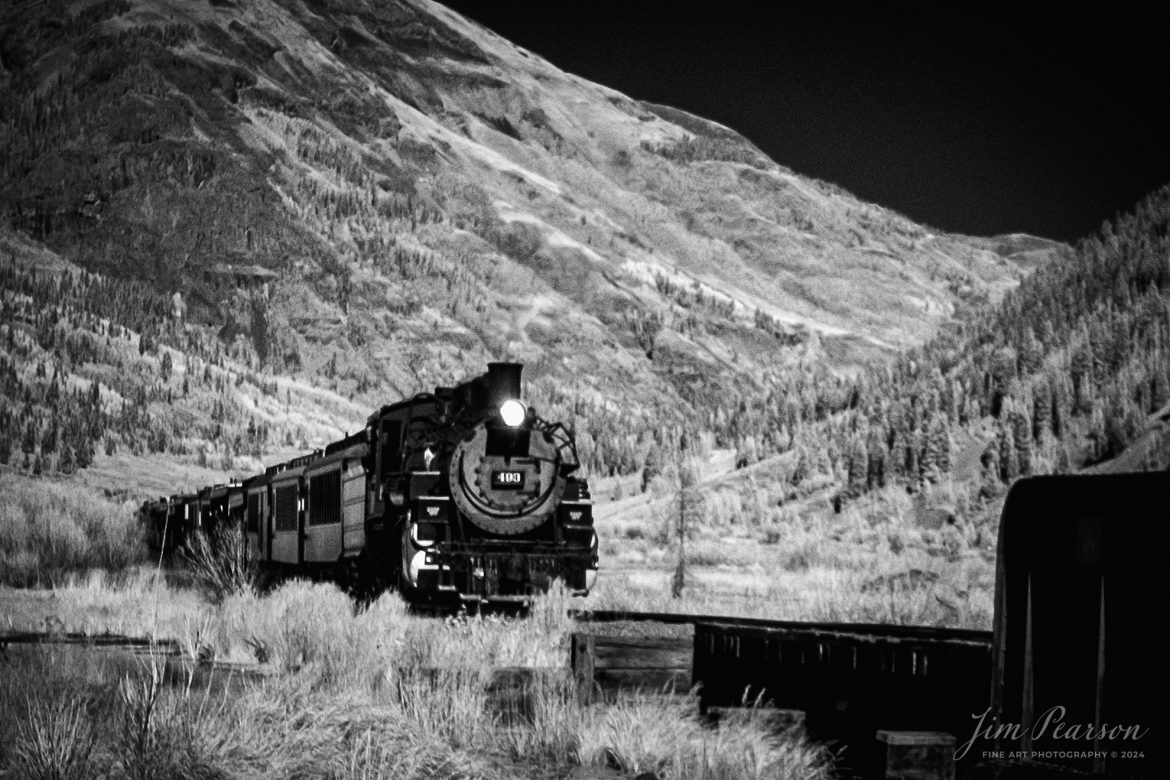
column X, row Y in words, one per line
column 898, row 454
column 65, row 462
column 651, row 468
column 49, row 439
column 29, row 443
column 1041, row 408
column 1082, row 373
column 914, row 456
column 941, row 436
column 1160, row 385
column 1031, row 353
column 1060, row 411
column 686, row 521
column 1022, row 433
column 800, row 471
column 1009, row 461
column 876, row 471
column 1096, row 431
column 857, row 468
column 1003, row 367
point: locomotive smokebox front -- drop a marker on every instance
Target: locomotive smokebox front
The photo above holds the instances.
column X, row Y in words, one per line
column 506, row 477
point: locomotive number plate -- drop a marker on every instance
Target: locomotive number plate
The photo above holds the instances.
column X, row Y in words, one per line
column 507, row 480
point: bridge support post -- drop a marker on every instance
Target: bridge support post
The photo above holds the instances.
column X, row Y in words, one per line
column 918, row 755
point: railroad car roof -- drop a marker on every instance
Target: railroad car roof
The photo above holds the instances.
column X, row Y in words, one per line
column 288, row 475
column 296, row 463
column 350, row 453
column 256, row 481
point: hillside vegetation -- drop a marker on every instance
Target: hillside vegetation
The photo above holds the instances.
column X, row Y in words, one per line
column 371, row 199
column 1069, row 372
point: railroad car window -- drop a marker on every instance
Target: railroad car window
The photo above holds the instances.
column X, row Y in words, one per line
column 391, row 446
column 286, row 508
column 254, row 513
column 325, row 498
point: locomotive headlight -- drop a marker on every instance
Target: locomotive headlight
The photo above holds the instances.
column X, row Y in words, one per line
column 512, row 412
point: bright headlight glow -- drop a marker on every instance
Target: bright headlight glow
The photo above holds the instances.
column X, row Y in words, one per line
column 512, row 411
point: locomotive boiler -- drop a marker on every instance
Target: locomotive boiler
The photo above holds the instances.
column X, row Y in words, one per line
column 463, row 494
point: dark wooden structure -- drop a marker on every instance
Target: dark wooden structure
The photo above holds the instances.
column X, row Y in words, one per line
column 851, row 680
column 918, row 755
column 606, row 665
column 1081, row 589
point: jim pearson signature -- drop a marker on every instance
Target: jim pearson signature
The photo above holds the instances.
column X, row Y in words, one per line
column 1050, row 722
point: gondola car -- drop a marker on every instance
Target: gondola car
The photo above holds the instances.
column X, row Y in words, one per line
column 463, row 494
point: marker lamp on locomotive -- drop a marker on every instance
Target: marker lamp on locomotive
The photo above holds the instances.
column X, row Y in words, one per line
column 414, row 537
column 576, row 514
column 431, row 510
column 425, row 534
column 512, row 412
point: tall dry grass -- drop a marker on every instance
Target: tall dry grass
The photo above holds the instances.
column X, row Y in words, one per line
column 56, row 740
column 49, row 531
column 376, row 693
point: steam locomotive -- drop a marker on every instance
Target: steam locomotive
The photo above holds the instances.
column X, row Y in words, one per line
column 464, row 494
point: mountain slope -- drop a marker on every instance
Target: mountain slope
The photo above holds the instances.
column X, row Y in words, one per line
column 379, row 197
column 326, row 142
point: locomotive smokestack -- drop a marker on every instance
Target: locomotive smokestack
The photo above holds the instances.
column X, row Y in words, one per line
column 503, row 382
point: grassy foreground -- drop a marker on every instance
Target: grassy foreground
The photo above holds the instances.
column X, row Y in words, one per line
column 345, row 696
column 385, row 694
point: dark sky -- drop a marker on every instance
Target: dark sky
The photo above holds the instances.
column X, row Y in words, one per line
column 982, row 122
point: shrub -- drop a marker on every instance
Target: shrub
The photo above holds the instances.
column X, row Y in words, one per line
column 56, row 741
column 221, row 563
column 664, row 737
column 48, row 531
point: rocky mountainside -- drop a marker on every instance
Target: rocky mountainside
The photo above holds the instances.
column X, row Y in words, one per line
column 386, row 195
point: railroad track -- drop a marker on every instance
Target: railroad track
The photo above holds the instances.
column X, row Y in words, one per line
column 109, row 641
column 685, row 618
column 129, row 655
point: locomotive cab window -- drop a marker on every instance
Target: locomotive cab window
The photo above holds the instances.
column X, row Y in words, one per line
column 391, row 449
